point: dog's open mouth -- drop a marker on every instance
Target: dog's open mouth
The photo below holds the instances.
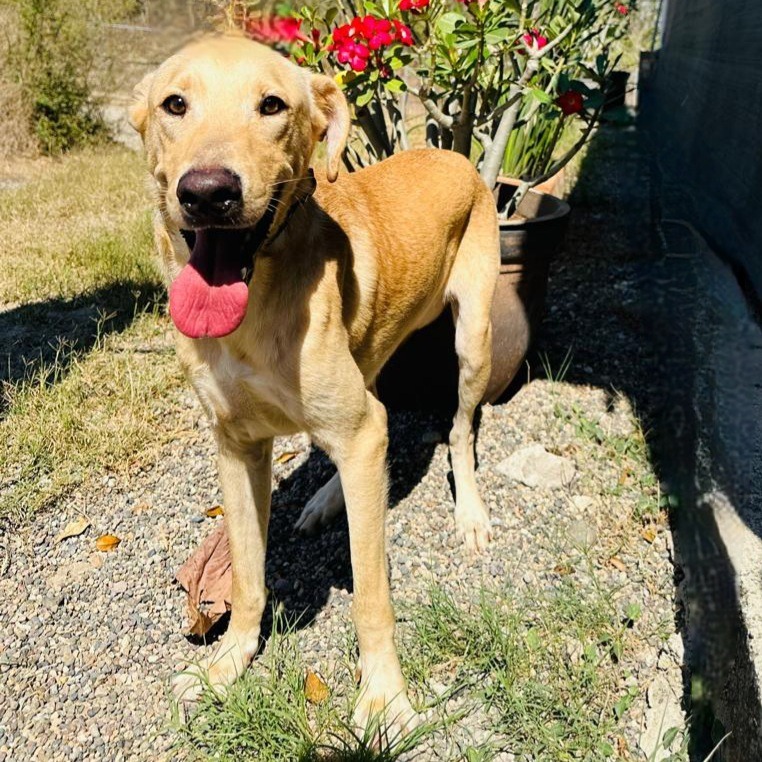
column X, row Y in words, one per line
column 210, row 295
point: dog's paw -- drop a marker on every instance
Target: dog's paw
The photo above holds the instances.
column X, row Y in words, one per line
column 473, row 527
column 384, row 718
column 324, row 507
column 215, row 673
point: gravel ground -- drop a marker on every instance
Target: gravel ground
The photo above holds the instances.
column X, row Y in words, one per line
column 89, row 638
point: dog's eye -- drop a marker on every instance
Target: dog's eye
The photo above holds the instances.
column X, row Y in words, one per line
column 175, row 105
column 271, row 105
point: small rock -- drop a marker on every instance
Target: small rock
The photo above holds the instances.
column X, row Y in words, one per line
column 582, row 502
column 663, row 713
column 534, row 466
column 676, row 648
column 582, row 533
column 67, row 574
column 96, row 560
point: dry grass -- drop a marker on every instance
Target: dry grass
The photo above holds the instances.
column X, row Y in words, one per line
column 14, row 111
column 53, row 223
column 79, row 249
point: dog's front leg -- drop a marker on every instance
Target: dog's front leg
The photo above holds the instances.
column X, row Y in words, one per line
column 246, row 487
column 361, row 460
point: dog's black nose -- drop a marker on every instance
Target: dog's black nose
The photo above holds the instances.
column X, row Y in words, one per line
column 210, row 195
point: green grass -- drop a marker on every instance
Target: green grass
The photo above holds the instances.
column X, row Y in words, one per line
column 266, row 716
column 546, row 668
column 79, row 222
column 628, row 453
column 82, row 293
column 545, row 673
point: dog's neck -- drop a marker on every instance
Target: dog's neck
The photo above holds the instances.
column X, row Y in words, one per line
column 274, row 228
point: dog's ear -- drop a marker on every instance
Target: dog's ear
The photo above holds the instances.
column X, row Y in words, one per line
column 330, row 119
column 138, row 108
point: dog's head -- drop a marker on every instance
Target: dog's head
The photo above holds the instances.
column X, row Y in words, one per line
column 229, row 127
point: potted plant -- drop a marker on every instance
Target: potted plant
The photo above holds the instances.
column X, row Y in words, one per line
column 517, row 86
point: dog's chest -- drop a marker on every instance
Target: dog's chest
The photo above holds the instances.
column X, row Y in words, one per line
column 246, row 401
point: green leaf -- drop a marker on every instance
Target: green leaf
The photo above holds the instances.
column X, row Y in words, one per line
column 395, row 86
column 605, row 748
column 669, row 737
column 533, row 639
column 448, row 21
column 364, row 98
column 622, row 706
column 540, row 95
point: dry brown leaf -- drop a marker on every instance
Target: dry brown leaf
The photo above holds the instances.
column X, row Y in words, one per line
column 107, row 542
column 563, row 569
column 216, row 510
column 617, row 563
column 73, row 529
column 315, row 689
column 284, row 457
column 648, row 534
column 200, row 622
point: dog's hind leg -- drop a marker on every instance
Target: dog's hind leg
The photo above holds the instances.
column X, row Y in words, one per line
column 470, row 289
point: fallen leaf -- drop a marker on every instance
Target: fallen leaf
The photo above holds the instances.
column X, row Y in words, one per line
column 73, row 528
column 201, row 622
column 107, row 542
column 208, row 579
column 96, row 560
column 617, row 563
column 315, row 689
column 217, row 510
column 648, row 534
column 563, row 569
column 284, row 457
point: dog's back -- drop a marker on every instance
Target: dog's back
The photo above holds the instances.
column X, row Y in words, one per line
column 405, row 220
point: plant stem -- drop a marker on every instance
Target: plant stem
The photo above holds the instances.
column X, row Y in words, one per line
column 493, row 158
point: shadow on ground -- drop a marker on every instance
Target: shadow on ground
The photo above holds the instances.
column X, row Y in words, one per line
column 302, row 570
column 624, row 312
column 52, row 334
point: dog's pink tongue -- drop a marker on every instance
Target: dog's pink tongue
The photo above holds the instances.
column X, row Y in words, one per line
column 209, row 297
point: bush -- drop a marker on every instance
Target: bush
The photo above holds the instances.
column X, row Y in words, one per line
column 54, row 61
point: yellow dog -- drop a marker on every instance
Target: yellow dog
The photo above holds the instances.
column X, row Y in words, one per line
column 290, row 294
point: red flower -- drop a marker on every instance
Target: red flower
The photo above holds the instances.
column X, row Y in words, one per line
column 622, row 8
column 534, row 40
column 354, row 42
column 274, row 29
column 416, row 6
column 403, row 33
column 570, row 102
